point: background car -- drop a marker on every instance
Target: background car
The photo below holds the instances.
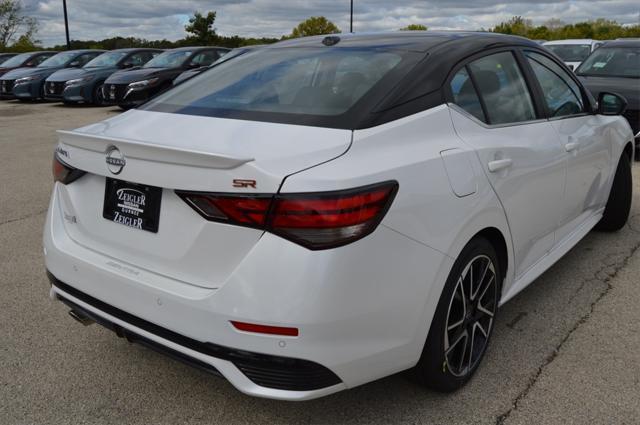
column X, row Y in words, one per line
column 28, row 83
column 224, row 56
column 573, row 51
column 24, row 60
column 5, row 56
column 327, row 211
column 615, row 67
column 85, row 84
column 128, row 89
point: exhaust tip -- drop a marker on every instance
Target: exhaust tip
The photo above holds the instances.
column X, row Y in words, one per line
column 81, row 317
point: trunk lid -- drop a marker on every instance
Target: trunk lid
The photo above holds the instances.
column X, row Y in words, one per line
column 189, row 153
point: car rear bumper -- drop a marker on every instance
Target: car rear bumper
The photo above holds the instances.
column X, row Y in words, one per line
column 362, row 310
column 270, row 376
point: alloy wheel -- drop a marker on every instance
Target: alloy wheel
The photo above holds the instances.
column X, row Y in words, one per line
column 470, row 315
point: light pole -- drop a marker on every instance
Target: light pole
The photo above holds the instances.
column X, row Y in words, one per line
column 66, row 23
column 351, row 22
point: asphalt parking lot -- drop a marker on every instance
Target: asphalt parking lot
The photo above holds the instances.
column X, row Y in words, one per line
column 566, row 350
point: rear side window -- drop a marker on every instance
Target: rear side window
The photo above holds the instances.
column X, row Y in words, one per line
column 316, row 82
column 465, row 95
column 503, row 89
column 561, row 93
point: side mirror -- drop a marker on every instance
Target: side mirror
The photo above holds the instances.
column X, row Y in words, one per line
column 127, row 65
column 611, row 104
column 29, row 64
column 74, row 64
column 193, row 65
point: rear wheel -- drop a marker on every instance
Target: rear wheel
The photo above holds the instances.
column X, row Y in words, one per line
column 616, row 212
column 463, row 322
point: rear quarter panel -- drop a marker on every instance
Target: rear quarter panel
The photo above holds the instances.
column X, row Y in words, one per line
column 426, row 210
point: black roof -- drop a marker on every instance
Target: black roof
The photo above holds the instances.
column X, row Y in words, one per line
column 631, row 42
column 43, row 51
column 177, row 49
column 136, row 49
column 80, row 51
column 420, row 41
column 404, row 91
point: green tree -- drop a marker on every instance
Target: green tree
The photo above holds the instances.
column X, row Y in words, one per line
column 316, row 25
column 516, row 26
column 201, row 28
column 12, row 20
column 414, row 27
column 555, row 29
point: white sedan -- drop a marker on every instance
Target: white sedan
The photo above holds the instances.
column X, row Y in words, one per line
column 323, row 212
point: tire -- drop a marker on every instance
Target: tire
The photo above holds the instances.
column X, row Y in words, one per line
column 41, row 93
column 96, row 96
column 616, row 212
column 447, row 362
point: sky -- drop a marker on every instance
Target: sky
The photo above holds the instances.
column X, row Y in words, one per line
column 158, row 19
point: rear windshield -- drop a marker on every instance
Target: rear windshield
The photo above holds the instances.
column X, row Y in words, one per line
column 570, row 52
column 287, row 82
column 612, row 62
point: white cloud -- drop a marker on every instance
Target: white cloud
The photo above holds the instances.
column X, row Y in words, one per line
column 157, row 19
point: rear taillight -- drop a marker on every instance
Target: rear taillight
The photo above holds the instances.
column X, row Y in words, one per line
column 318, row 220
column 63, row 172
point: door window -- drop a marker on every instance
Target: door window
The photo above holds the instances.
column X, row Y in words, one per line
column 39, row 59
column 465, row 94
column 85, row 58
column 138, row 59
column 503, row 89
column 205, row 58
column 561, row 93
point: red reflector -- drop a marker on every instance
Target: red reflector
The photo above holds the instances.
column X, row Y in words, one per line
column 264, row 329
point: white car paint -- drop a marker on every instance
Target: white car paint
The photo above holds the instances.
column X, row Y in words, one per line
column 363, row 309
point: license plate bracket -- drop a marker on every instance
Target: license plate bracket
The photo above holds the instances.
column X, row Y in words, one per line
column 132, row 204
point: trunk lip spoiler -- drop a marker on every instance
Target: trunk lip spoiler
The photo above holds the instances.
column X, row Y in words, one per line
column 152, row 152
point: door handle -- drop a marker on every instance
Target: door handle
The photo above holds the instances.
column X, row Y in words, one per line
column 499, row 164
column 571, row 146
